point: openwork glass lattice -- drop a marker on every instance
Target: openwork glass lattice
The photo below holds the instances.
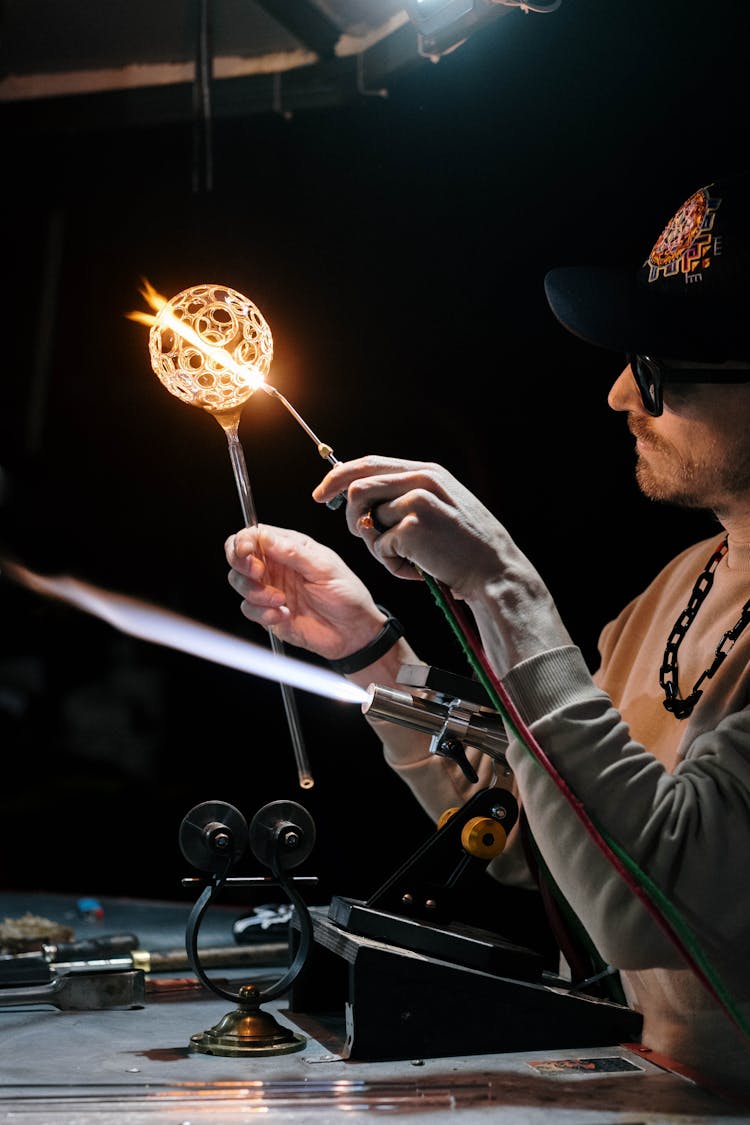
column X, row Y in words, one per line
column 211, row 347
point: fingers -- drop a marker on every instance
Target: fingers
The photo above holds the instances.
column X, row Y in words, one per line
column 377, row 503
column 381, row 490
column 260, row 595
column 243, row 552
column 342, row 475
column 383, row 497
column 413, row 516
column 249, row 577
column 389, row 536
column 371, row 521
column 267, row 616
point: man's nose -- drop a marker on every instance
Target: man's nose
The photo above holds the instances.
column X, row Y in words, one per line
column 624, row 394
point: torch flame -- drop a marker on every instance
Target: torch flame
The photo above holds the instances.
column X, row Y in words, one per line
column 157, row 625
column 153, row 298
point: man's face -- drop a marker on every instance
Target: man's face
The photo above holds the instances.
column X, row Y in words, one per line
column 697, row 452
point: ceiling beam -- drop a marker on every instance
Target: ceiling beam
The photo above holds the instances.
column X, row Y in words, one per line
column 305, row 22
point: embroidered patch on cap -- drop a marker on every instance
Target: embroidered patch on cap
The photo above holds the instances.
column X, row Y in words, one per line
column 686, row 244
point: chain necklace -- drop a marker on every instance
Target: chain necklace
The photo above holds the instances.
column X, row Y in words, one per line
column 682, row 708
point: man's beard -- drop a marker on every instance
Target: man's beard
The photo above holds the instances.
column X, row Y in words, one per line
column 666, row 492
column 689, row 483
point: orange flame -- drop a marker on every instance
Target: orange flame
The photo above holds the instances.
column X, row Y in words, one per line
column 154, row 299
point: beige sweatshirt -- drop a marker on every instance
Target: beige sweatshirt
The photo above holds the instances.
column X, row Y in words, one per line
column 674, row 794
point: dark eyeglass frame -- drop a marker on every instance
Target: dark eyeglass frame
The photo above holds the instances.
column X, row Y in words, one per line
column 651, row 374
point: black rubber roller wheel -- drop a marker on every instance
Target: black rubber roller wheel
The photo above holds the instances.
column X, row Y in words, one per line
column 213, row 836
column 282, row 832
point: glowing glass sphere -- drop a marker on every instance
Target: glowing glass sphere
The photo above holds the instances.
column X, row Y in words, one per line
column 211, row 347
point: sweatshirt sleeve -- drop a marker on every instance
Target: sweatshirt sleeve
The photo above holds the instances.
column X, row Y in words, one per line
column 679, row 829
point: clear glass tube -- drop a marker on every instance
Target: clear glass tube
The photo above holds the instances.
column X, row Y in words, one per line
column 242, row 480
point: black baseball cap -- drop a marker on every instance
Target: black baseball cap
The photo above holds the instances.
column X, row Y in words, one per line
column 690, row 300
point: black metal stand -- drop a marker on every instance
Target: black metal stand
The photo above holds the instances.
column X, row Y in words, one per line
column 213, row 836
column 412, row 981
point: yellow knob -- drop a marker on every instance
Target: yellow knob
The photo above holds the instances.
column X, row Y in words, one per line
column 445, row 816
column 483, row 837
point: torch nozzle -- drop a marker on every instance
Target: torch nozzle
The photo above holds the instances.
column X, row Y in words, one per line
column 446, row 722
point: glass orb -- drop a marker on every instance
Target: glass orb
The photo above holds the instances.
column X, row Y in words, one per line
column 211, row 347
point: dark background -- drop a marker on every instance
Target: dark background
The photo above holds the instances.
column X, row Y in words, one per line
column 397, row 248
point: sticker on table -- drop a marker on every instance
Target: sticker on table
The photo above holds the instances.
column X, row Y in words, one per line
column 611, row 1064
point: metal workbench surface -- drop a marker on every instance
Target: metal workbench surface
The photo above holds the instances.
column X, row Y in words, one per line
column 135, row 1066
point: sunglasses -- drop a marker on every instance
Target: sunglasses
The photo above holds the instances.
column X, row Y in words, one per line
column 651, row 374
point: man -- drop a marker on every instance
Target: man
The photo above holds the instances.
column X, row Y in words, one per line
column 635, row 780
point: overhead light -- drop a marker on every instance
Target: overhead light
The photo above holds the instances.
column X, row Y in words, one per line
column 443, row 25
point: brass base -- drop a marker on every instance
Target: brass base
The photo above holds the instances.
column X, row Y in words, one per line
column 247, row 1031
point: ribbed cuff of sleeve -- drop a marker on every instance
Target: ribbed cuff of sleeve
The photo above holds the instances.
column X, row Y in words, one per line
column 546, row 682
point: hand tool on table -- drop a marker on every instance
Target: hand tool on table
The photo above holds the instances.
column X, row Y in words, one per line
column 104, row 945
column 41, row 962
column 213, row 957
column 113, row 988
column 25, row 969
